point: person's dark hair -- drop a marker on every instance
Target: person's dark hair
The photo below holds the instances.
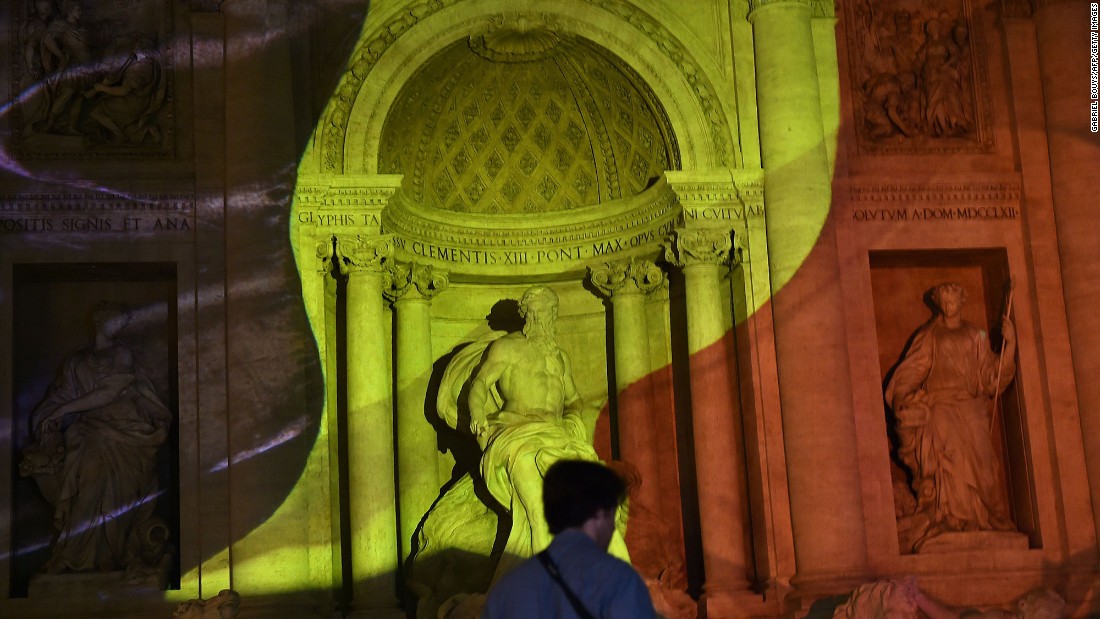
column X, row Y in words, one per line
column 574, row 490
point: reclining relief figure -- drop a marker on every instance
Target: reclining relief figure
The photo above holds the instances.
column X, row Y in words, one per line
column 515, row 394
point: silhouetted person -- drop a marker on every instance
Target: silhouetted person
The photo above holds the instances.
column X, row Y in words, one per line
column 574, row 577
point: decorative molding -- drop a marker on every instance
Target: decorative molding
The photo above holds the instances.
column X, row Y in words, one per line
column 318, row 196
column 626, row 277
column 824, row 8
column 422, row 280
column 52, row 201
column 943, row 192
column 689, row 247
column 620, row 217
column 324, row 252
column 754, row 5
column 716, row 199
column 517, row 38
column 360, row 253
column 206, row 6
column 367, row 54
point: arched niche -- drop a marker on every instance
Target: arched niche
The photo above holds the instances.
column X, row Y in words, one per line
column 391, row 52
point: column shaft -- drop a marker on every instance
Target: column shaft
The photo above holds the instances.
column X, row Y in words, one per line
column 626, row 283
column 411, row 287
column 635, row 393
column 714, row 413
column 372, row 507
column 815, row 393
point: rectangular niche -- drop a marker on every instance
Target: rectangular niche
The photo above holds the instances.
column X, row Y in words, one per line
column 57, row 356
column 901, row 285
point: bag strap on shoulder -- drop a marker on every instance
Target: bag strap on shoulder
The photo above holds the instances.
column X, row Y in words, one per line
column 552, row 569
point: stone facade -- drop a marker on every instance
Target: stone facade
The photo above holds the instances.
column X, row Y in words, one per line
column 312, row 214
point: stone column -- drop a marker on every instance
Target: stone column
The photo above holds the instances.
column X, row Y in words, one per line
column 371, row 496
column 1062, row 35
column 626, row 283
column 412, row 288
column 811, row 347
column 702, row 254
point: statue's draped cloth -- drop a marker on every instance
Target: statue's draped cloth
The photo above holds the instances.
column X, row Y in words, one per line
column 945, row 436
column 108, row 482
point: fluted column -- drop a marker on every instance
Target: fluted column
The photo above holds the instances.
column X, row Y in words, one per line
column 1062, row 35
column 702, row 254
column 412, row 288
column 626, row 283
column 811, row 347
column 371, row 496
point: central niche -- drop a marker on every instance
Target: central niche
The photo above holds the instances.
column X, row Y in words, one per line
column 525, row 119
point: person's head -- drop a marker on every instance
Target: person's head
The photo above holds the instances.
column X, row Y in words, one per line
column 110, row 318
column 576, row 493
column 71, row 9
column 539, row 308
column 949, row 297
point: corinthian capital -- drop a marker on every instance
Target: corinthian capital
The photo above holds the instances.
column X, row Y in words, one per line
column 414, row 280
column 755, row 5
column 360, row 253
column 620, row 277
column 699, row 246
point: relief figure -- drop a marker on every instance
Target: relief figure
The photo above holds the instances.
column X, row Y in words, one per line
column 914, row 76
column 95, row 440
column 92, row 75
column 942, row 394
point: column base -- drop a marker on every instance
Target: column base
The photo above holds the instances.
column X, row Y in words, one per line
column 810, row 588
column 738, row 604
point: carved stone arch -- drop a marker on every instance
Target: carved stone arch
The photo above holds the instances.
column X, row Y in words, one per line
column 389, row 54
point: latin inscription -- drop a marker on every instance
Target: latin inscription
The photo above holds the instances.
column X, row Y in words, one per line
column 338, row 220
column 722, row 213
column 959, row 213
column 40, row 225
column 503, row 257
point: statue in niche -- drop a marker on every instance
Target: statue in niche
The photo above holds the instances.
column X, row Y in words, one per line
column 514, row 393
column 941, row 393
column 93, row 454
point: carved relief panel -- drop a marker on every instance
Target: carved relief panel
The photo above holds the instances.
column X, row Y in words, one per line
column 917, row 84
column 92, row 80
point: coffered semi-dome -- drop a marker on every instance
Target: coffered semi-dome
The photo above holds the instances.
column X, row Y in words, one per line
column 521, row 120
